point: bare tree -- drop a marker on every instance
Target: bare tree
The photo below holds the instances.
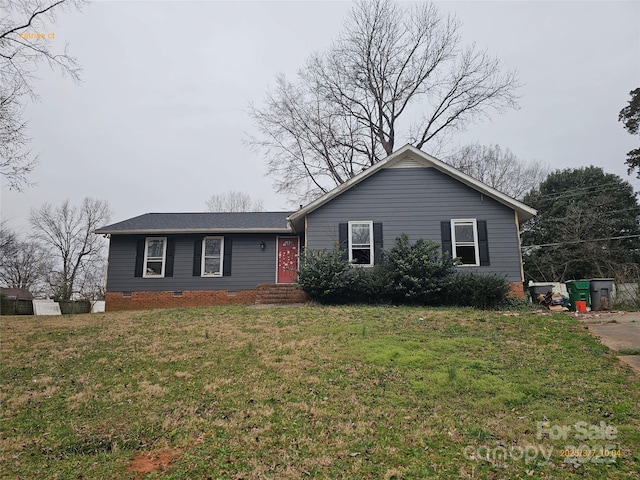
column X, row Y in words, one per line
column 26, row 40
column 8, row 240
column 27, row 268
column 233, row 201
column 16, row 160
column 91, row 285
column 68, row 232
column 8, row 246
column 500, row 169
column 23, row 264
column 395, row 75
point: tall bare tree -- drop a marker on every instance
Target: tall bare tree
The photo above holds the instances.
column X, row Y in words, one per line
column 26, row 40
column 395, row 75
column 68, row 232
column 233, row 201
column 500, row 168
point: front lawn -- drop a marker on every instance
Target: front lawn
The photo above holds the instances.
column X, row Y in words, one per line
column 314, row 392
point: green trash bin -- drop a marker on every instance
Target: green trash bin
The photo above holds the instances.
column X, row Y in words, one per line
column 578, row 290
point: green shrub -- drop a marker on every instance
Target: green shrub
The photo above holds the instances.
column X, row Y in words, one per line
column 328, row 278
column 478, row 290
column 418, row 273
column 322, row 275
column 515, row 303
column 408, row 274
column 366, row 285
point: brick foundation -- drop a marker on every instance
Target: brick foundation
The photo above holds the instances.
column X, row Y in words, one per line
column 517, row 290
column 204, row 298
column 197, row 298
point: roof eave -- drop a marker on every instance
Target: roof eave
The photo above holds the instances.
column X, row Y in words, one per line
column 174, row 231
column 524, row 211
column 524, row 215
column 318, row 202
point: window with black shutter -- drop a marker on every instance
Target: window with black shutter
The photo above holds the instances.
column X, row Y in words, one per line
column 361, row 242
column 466, row 240
column 154, row 257
column 212, row 257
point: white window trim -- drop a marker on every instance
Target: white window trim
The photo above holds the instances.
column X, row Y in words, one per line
column 371, row 243
column 154, row 259
column 476, row 245
column 204, row 257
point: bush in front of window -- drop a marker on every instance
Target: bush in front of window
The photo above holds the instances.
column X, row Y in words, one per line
column 417, row 273
column 328, row 278
column 407, row 274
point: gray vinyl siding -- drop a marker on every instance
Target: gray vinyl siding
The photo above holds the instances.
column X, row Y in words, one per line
column 414, row 201
column 250, row 265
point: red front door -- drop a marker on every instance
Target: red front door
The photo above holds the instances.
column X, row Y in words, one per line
column 288, row 249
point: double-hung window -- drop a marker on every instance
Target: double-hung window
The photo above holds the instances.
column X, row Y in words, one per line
column 361, row 243
column 212, row 255
column 464, row 241
column 155, row 254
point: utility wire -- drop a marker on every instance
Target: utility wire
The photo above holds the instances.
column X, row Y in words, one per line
column 580, row 241
column 605, row 212
column 575, row 191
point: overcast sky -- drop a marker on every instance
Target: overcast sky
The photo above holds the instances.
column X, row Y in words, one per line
column 158, row 123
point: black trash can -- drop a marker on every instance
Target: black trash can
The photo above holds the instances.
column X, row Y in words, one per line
column 535, row 290
column 601, row 293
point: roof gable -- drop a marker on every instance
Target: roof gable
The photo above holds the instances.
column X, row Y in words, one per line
column 411, row 157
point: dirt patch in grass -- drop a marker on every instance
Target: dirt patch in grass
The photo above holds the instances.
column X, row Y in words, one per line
column 155, row 461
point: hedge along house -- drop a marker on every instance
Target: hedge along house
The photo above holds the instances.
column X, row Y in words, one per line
column 184, row 259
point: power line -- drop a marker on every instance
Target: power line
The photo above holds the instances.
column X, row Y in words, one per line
column 571, row 242
column 575, row 191
column 605, row 212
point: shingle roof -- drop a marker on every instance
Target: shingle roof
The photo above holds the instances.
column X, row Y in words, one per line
column 19, row 293
column 202, row 222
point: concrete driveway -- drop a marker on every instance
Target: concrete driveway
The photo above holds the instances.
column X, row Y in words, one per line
column 619, row 331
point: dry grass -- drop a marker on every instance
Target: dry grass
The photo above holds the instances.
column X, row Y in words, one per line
column 317, row 392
